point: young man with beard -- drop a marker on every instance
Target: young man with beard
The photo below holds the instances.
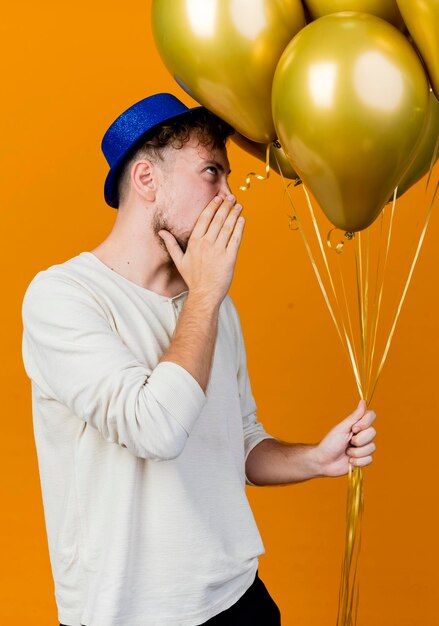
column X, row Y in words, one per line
column 144, row 419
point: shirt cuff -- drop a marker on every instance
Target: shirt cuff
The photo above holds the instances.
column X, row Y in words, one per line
column 178, row 392
column 254, row 442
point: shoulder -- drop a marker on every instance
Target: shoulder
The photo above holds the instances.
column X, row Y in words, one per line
column 61, row 286
column 78, row 274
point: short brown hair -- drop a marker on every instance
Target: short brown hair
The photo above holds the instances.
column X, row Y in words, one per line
column 210, row 130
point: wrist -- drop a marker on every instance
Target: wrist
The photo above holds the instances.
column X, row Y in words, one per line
column 314, row 462
column 203, row 300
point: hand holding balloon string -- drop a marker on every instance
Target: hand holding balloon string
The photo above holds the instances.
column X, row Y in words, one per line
column 351, row 442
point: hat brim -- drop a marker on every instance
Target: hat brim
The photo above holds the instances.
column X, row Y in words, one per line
column 111, row 182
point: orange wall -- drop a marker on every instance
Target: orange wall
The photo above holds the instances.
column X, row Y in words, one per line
column 69, row 70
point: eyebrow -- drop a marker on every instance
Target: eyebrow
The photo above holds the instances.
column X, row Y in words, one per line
column 220, row 166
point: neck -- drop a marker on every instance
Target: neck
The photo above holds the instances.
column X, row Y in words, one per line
column 135, row 252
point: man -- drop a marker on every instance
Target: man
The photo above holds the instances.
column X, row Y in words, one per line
column 144, row 419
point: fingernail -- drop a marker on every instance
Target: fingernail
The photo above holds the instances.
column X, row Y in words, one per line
column 231, row 197
column 217, row 199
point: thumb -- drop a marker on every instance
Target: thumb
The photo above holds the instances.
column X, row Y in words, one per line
column 355, row 415
column 361, row 408
column 172, row 246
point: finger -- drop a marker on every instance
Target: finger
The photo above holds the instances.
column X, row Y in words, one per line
column 236, row 237
column 360, row 452
column 205, row 217
column 172, row 246
column 364, row 437
column 348, row 423
column 367, row 460
column 364, row 422
column 229, row 226
column 220, row 218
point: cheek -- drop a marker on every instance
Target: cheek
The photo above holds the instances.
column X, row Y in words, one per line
column 194, row 202
column 183, row 216
column 185, row 206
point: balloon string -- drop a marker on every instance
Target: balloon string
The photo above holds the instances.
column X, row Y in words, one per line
column 375, row 306
column 420, row 242
column 349, row 588
column 349, row 342
column 362, row 269
column 347, row 308
column 258, row 176
column 308, row 249
column 339, row 247
column 347, row 346
column 378, row 301
column 415, row 259
column 348, row 602
column 359, row 272
column 367, row 311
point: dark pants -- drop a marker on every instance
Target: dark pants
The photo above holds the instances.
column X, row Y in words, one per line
column 255, row 608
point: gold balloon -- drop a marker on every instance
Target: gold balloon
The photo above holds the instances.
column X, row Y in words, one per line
column 425, row 148
column 224, row 54
column 259, row 150
column 385, row 9
column 349, row 104
column 422, row 20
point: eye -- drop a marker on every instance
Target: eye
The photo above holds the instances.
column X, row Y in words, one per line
column 213, row 169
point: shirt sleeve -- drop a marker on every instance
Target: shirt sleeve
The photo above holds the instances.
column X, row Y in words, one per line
column 254, row 431
column 74, row 356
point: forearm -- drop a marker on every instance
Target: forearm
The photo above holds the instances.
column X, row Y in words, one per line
column 273, row 462
column 349, row 443
column 193, row 343
column 207, row 267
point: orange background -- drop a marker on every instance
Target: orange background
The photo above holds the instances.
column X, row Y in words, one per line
column 68, row 71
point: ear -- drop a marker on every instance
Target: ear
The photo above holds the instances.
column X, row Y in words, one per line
column 143, row 179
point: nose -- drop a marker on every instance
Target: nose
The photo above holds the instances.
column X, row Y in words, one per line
column 224, row 189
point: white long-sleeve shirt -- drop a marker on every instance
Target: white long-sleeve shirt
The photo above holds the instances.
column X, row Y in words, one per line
column 142, row 473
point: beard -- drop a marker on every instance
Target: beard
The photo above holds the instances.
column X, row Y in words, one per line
column 160, row 222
